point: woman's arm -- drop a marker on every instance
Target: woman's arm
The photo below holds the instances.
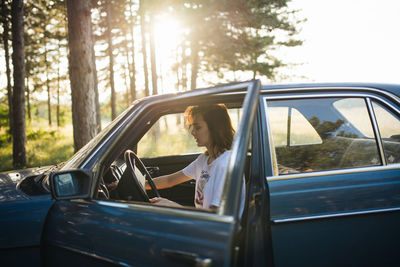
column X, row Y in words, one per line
column 169, row 180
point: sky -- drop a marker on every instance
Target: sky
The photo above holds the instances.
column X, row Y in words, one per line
column 346, row 41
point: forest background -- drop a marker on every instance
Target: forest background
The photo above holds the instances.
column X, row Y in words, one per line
column 72, row 66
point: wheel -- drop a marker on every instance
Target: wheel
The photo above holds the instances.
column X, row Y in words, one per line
column 132, row 161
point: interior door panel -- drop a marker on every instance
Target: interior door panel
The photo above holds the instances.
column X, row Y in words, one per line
column 183, row 193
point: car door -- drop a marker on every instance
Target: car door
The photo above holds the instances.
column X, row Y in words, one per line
column 335, row 188
column 95, row 232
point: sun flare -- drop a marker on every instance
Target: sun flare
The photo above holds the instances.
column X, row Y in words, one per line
column 168, row 34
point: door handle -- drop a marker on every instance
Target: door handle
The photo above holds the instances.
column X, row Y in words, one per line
column 191, row 259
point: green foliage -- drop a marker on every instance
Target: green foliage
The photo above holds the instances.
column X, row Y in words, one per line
column 40, row 135
column 165, row 144
column 4, row 119
column 44, row 147
column 239, row 35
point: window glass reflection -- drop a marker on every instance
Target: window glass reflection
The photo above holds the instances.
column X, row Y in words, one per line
column 322, row 134
column 389, row 129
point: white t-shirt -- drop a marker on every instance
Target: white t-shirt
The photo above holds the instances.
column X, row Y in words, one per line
column 210, row 179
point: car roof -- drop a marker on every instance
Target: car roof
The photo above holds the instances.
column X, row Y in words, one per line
column 392, row 88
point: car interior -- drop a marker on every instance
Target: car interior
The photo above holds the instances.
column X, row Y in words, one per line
column 158, row 144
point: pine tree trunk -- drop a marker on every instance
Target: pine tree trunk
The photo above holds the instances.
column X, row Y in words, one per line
column 96, row 90
column 132, row 70
column 46, row 63
column 144, row 50
column 111, row 57
column 153, row 57
column 6, row 30
column 19, row 135
column 128, row 78
column 185, row 68
column 81, row 70
column 58, row 93
column 28, row 99
column 178, row 68
column 194, row 47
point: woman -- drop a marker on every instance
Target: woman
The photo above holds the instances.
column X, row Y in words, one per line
column 212, row 128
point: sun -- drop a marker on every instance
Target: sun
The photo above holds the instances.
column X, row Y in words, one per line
column 168, row 33
column 168, row 38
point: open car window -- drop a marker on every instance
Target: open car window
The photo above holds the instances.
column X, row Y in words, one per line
column 165, row 147
column 170, row 135
column 158, row 142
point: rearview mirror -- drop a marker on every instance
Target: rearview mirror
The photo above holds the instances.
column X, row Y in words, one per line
column 70, row 184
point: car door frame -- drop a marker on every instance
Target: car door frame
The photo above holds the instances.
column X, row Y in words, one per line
column 92, row 231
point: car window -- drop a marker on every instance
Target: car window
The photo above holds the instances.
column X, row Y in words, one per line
column 291, row 128
column 321, row 134
column 389, row 129
column 348, row 107
column 168, row 136
column 171, row 136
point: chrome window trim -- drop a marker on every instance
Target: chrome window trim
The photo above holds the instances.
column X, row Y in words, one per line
column 376, row 131
column 194, row 214
column 333, row 215
column 273, row 161
column 332, row 172
column 327, row 88
column 270, row 95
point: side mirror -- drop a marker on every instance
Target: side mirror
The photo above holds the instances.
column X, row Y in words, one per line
column 70, row 184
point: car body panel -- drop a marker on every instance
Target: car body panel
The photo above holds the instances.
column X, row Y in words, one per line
column 321, row 218
column 133, row 234
column 353, row 214
column 22, row 219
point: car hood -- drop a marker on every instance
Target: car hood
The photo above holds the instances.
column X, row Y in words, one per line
column 9, row 181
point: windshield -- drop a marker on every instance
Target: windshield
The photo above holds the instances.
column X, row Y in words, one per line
column 44, row 177
column 84, row 152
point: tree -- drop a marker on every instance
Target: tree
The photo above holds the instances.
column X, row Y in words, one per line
column 143, row 30
column 236, row 35
column 153, row 64
column 132, row 68
column 111, row 31
column 45, row 50
column 81, row 70
column 6, row 30
column 111, row 58
column 19, row 135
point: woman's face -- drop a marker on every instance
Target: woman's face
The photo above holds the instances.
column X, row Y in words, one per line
column 200, row 132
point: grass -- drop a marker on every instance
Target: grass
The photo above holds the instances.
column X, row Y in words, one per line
column 44, row 146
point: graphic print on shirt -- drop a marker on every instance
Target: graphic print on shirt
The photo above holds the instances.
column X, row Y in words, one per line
column 200, row 187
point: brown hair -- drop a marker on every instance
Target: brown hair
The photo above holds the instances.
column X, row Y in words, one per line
column 218, row 122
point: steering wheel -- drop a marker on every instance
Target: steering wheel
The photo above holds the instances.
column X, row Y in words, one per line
column 140, row 182
column 116, row 172
column 103, row 192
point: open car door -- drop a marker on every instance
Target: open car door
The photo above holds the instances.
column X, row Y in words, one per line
column 87, row 231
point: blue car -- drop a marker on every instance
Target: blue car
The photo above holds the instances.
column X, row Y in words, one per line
column 321, row 164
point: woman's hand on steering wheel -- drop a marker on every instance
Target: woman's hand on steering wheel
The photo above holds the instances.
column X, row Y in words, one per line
column 133, row 160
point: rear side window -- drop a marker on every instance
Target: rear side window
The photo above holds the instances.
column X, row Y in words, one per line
column 389, row 129
column 322, row 134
